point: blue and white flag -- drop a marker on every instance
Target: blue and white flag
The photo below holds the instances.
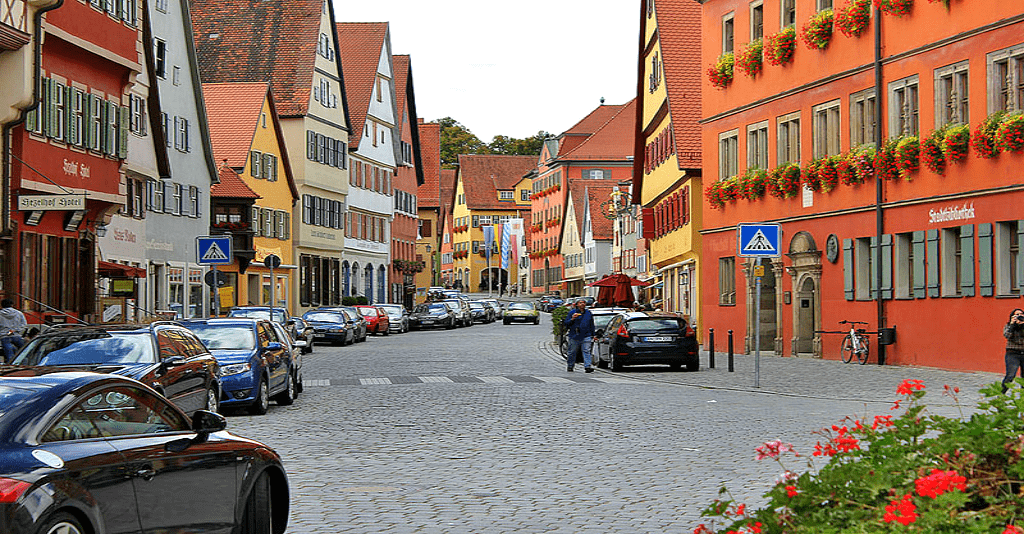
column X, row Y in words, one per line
column 506, row 234
column 488, row 239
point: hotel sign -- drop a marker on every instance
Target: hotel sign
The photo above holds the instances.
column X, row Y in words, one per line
column 51, row 202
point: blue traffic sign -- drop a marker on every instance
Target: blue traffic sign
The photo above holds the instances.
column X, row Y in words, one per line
column 759, row 240
column 213, row 250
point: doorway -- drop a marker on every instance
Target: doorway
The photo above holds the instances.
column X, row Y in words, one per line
column 806, row 301
column 769, row 315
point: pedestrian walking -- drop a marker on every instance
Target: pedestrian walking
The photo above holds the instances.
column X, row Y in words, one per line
column 1014, row 334
column 12, row 325
column 579, row 327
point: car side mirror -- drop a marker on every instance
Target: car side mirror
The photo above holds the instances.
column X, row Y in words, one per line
column 299, row 343
column 173, row 361
column 274, row 345
column 206, row 422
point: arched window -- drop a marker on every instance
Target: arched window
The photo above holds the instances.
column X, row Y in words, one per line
column 381, row 284
column 346, row 273
column 368, row 279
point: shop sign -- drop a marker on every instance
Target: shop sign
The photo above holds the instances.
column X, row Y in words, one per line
column 51, row 202
column 952, row 213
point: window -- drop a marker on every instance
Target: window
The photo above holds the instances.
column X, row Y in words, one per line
column 524, row 195
column 176, row 75
column 110, row 124
column 756, row 20
column 193, row 197
column 788, row 138
column 728, row 32
column 380, row 89
column 654, row 77
column 824, row 4
column 325, row 49
column 909, row 266
column 1006, row 79
column 596, row 174
column 903, row 107
column 270, row 167
column 138, row 120
column 176, row 202
column 864, row 273
column 94, row 122
column 1007, row 257
column 58, row 110
column 181, row 134
column 727, row 281
column 757, row 145
column 788, row 12
column 128, row 12
column 826, row 129
column 161, row 5
column 862, row 117
column 160, row 57
column 728, row 154
column 951, row 95
column 957, row 261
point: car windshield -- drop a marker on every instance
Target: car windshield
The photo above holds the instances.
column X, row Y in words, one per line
column 225, row 336
column 368, row 312
column 652, row 324
column 520, row 306
column 88, row 348
column 256, row 313
column 451, row 305
column 393, row 311
column 324, row 317
column 476, row 305
column 432, row 308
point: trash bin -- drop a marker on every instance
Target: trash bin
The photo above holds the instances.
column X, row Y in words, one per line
column 887, row 336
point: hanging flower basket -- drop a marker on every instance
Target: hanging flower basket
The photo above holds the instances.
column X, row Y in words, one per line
column 750, row 59
column 784, row 181
column 779, row 47
column 896, row 8
column 908, row 155
column 753, row 183
column 885, row 161
column 817, row 32
column 846, row 171
column 956, row 142
column 984, row 139
column 853, row 18
column 1010, row 134
column 713, row 194
column 931, row 152
column 721, row 73
column 828, row 175
column 809, row 176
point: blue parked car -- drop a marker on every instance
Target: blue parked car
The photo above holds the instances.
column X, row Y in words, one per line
column 255, row 364
column 336, row 326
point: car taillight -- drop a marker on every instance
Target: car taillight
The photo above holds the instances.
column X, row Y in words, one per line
column 11, row 490
column 688, row 332
column 622, row 332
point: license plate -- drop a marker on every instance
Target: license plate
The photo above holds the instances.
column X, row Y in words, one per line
column 428, row 322
column 657, row 339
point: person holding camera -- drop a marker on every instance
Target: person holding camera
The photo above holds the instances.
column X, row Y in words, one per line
column 1014, row 334
column 579, row 327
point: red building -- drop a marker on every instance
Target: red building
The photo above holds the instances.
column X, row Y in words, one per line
column 66, row 176
column 405, row 262
column 864, row 162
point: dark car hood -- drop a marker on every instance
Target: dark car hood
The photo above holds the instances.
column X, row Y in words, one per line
column 424, row 315
column 325, row 323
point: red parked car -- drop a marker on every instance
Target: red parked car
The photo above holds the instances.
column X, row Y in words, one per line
column 377, row 321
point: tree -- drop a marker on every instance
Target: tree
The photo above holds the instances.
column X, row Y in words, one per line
column 518, row 147
column 457, row 139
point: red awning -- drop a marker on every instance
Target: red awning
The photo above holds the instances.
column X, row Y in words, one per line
column 108, row 269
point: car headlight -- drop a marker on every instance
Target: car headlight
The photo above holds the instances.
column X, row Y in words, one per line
column 235, row 369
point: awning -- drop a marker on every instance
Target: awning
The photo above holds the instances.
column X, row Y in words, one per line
column 109, row 269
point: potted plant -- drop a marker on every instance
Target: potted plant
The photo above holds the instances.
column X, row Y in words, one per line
column 721, row 73
column 956, row 142
column 862, row 159
column 809, row 175
column 853, row 18
column 784, row 181
column 885, row 161
column 896, row 8
column 713, row 194
column 931, row 152
column 753, row 183
column 779, row 47
column 817, row 32
column 750, row 59
column 1010, row 133
column 984, row 139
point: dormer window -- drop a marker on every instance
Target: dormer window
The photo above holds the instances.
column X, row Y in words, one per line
column 506, row 195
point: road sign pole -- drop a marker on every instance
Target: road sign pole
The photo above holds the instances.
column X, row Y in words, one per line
column 757, row 325
column 273, row 293
column 216, row 292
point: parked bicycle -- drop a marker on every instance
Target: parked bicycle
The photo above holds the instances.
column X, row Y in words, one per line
column 855, row 343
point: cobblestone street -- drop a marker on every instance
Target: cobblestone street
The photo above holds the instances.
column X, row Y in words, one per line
column 482, row 430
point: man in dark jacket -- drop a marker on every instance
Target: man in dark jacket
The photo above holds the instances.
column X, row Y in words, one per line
column 579, row 328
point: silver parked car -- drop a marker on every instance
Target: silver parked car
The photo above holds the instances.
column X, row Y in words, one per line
column 398, row 317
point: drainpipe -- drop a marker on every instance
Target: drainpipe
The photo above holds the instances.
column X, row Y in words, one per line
column 879, row 215
column 5, row 150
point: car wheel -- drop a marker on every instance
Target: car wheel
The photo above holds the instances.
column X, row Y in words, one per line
column 536, row 321
column 693, row 367
column 450, row 325
column 614, row 363
column 258, row 518
column 262, row 402
column 387, row 331
column 212, row 399
column 287, row 397
column 505, row 322
column 601, row 364
column 62, row 523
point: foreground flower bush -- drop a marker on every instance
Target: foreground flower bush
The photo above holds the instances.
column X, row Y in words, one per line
column 898, row 472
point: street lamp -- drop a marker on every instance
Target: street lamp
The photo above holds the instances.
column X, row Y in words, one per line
column 619, row 204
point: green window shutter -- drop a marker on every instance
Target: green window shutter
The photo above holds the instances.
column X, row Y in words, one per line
column 70, row 112
column 887, row 266
column 50, row 109
column 287, row 225
column 967, row 260
column 110, row 128
column 873, row 275
column 917, row 242
column 32, row 119
column 87, row 121
column 848, row 269
column 123, row 124
column 933, row 262
column 985, row 279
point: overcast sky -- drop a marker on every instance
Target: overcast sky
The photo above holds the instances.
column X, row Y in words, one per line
column 511, row 68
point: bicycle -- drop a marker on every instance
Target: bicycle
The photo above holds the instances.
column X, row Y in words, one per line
column 855, row 343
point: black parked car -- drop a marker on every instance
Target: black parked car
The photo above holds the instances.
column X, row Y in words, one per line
column 361, row 324
column 481, row 312
column 431, row 315
column 334, row 326
column 602, row 316
column 638, row 338
column 162, row 355
column 89, row 453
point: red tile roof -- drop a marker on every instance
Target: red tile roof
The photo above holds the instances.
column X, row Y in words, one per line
column 360, row 44
column 233, row 110
column 595, row 193
column 231, row 185
column 257, row 40
column 402, row 64
column 447, row 187
column 572, row 137
column 484, row 175
column 679, row 27
column 430, row 153
column 611, row 140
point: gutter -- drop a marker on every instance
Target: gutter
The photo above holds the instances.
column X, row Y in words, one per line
column 879, row 183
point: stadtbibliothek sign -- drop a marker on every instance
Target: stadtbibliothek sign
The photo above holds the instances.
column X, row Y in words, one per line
column 51, row 202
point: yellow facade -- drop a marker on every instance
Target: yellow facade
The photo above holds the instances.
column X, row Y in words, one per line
column 475, row 263
column 429, row 248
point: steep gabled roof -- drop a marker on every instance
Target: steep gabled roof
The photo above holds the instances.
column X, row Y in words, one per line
column 484, row 175
column 246, row 40
column 231, row 185
column 405, row 98
column 579, row 132
column 429, row 192
column 447, row 188
column 233, row 110
column 611, row 140
column 585, row 192
column 361, row 44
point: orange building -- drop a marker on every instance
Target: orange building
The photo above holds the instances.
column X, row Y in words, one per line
column 858, row 132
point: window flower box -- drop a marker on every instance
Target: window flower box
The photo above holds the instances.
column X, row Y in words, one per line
column 750, row 60
column 896, row 8
column 817, row 32
column 721, row 73
column 779, row 47
column 853, row 18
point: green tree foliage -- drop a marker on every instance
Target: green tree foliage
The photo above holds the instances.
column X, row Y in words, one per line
column 456, row 139
column 518, row 147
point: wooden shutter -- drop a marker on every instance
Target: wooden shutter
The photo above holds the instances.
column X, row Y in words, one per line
column 848, row 269
column 873, row 275
column 648, row 222
column 123, row 125
column 49, row 107
column 917, row 244
column 933, row 262
column 887, row 266
column 686, row 204
column 985, row 280
column 967, row 260
column 425, row 230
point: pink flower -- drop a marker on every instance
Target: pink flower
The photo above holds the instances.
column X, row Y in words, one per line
column 772, row 449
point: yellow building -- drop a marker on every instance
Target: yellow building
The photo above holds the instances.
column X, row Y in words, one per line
column 246, row 137
column 489, row 190
column 667, row 159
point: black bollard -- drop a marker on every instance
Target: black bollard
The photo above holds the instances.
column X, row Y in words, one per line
column 731, row 367
column 711, row 348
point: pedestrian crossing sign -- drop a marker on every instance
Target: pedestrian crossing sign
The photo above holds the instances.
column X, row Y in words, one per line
column 212, row 250
column 759, row 240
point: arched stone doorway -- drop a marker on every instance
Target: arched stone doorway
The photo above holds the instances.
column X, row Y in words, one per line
column 382, row 284
column 805, row 271
column 771, row 306
column 346, row 277
column 355, row 279
column 368, row 287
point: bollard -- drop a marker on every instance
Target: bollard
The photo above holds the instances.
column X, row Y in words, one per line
column 711, row 348
column 731, row 367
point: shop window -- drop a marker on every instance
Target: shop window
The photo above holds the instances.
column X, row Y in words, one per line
column 727, row 281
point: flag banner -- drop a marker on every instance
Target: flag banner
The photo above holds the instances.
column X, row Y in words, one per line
column 488, row 239
column 506, row 240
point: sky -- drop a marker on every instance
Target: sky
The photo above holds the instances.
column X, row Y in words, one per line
column 511, row 68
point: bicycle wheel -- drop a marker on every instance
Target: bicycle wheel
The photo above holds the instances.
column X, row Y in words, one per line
column 847, row 349
column 864, row 352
